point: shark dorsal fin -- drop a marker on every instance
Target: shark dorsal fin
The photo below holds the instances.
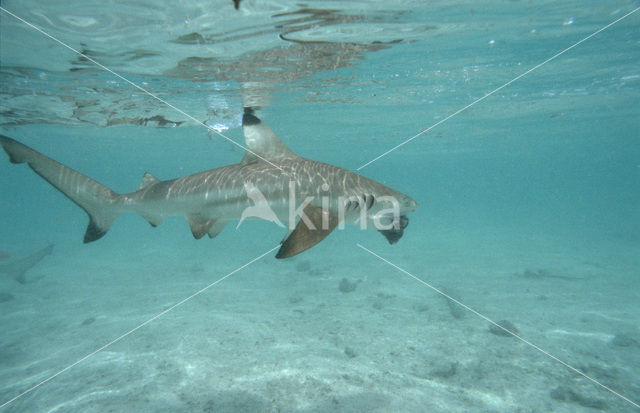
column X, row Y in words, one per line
column 261, row 140
column 147, row 180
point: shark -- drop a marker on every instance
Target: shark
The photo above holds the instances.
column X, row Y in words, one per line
column 271, row 182
column 17, row 268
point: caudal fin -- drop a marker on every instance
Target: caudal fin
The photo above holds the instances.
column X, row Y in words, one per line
column 98, row 201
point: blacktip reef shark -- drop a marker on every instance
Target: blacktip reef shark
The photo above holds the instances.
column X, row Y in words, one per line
column 332, row 196
column 17, row 268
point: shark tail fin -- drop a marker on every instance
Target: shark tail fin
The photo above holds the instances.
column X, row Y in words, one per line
column 99, row 202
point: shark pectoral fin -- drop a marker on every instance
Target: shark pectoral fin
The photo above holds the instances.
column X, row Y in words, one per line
column 302, row 237
column 215, row 229
column 199, row 226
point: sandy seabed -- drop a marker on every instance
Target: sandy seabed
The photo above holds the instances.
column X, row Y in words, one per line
column 334, row 329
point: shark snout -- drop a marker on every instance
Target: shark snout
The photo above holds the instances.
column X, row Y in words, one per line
column 408, row 204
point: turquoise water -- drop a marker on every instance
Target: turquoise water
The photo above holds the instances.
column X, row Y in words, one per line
column 528, row 208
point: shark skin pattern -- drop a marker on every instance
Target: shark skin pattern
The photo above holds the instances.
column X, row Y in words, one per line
column 267, row 184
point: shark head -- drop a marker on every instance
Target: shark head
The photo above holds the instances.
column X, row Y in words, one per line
column 391, row 219
column 400, row 221
column 407, row 204
column 321, row 197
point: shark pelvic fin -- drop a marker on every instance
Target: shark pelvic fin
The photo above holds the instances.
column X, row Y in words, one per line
column 303, row 236
column 148, row 180
column 261, row 140
column 153, row 220
column 199, row 226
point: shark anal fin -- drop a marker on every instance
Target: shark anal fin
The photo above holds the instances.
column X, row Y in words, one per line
column 215, row 229
column 302, row 237
column 199, row 226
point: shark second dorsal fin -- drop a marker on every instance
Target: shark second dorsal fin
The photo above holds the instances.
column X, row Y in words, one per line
column 147, row 180
column 261, row 140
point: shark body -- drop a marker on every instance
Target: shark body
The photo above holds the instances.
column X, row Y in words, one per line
column 329, row 196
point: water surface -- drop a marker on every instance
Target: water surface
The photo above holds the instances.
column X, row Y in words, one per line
column 528, row 207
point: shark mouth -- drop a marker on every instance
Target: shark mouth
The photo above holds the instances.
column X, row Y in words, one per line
column 395, row 233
